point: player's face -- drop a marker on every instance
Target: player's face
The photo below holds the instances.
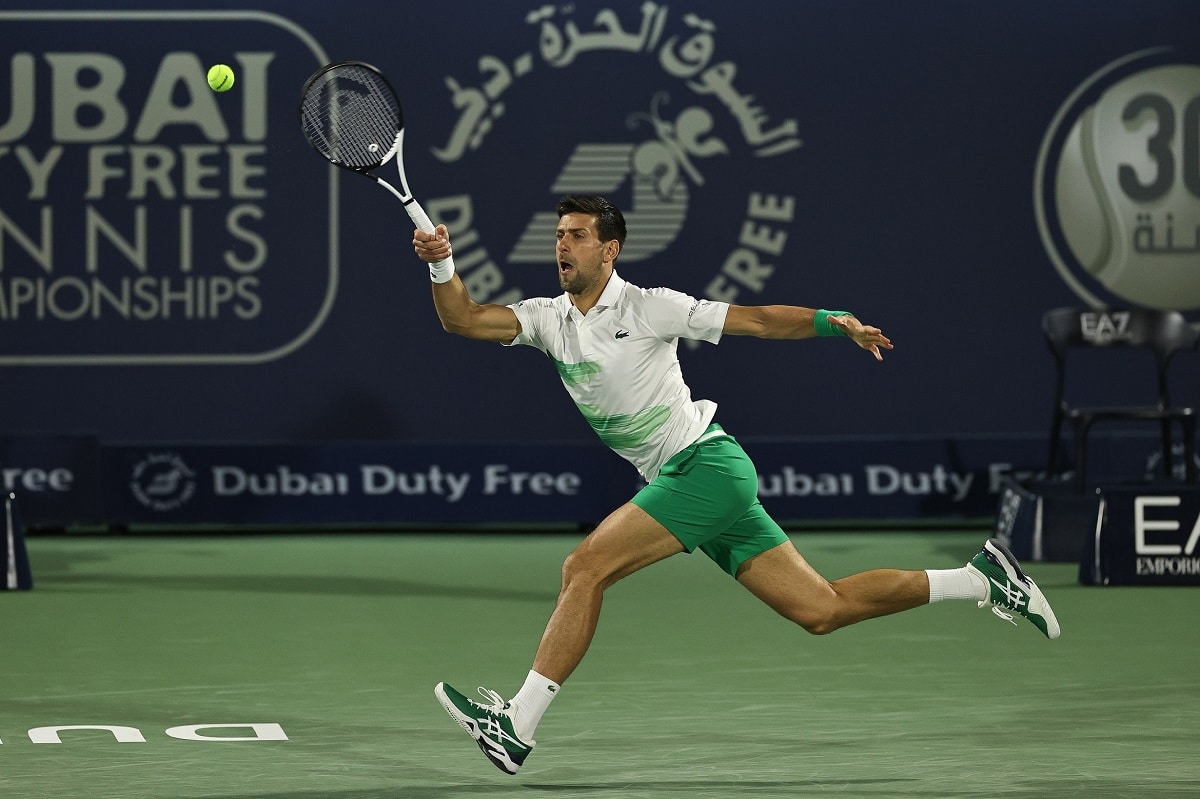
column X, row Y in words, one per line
column 583, row 260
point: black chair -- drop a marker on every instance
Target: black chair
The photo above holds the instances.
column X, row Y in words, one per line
column 1163, row 333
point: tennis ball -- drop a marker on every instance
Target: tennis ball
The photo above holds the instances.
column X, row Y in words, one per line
column 220, row 78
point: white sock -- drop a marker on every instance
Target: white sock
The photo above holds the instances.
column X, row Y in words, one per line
column 531, row 702
column 960, row 583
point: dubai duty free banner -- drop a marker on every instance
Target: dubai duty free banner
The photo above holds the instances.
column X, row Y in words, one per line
column 541, row 483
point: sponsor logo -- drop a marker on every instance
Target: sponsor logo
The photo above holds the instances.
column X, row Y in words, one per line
column 1104, row 327
column 877, row 480
column 136, row 224
column 33, row 480
column 1155, row 535
column 621, row 334
column 162, row 482
column 1117, row 184
column 1172, row 567
column 232, row 481
column 689, row 124
column 1013, row 597
column 165, row 482
column 190, row 732
column 1163, row 545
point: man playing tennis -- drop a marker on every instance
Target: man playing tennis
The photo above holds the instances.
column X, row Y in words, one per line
column 614, row 345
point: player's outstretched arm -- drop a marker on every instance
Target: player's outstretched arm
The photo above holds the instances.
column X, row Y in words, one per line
column 455, row 308
column 791, row 321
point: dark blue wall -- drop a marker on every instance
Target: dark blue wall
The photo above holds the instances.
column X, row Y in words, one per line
column 911, row 174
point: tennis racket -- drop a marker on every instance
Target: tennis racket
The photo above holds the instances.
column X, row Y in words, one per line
column 349, row 114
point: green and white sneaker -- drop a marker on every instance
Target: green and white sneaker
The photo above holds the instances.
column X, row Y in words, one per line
column 490, row 725
column 1011, row 589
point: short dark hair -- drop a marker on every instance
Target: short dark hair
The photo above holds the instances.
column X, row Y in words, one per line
column 610, row 222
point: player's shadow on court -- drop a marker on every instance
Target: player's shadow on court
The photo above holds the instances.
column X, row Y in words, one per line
column 894, row 788
column 690, row 788
column 724, row 788
column 292, row 584
column 890, row 788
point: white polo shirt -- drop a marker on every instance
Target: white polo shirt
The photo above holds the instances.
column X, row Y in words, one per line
column 619, row 363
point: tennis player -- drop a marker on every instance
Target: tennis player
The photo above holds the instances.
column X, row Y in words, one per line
column 614, row 345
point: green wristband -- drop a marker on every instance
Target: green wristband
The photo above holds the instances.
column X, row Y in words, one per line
column 821, row 322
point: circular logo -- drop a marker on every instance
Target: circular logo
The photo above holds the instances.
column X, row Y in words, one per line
column 162, row 481
column 1117, row 191
column 688, row 118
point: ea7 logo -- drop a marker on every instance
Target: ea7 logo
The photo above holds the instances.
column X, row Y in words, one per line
column 1143, row 525
column 1098, row 326
column 189, row 732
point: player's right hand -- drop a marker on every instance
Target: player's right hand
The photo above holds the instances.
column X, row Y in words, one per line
column 432, row 247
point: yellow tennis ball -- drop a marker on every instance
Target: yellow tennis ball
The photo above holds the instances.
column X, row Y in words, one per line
column 220, row 78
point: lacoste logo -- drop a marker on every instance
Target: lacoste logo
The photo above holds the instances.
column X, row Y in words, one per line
column 551, row 689
column 622, row 333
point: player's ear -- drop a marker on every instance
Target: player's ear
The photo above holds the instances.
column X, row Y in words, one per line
column 612, row 248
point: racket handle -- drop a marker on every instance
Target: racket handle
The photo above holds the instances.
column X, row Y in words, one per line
column 418, row 215
column 439, row 271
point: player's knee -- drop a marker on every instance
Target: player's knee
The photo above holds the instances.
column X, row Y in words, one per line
column 580, row 570
column 585, row 569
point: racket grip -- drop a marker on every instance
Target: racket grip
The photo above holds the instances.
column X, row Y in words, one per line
column 439, row 271
column 418, row 216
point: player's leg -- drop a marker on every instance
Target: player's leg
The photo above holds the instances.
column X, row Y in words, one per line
column 785, row 581
column 697, row 494
column 715, row 506
column 754, row 549
column 627, row 540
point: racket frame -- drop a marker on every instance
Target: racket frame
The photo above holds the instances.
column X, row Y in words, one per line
column 403, row 193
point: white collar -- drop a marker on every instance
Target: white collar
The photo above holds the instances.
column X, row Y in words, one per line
column 608, row 298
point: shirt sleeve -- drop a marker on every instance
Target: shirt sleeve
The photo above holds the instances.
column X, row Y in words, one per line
column 678, row 315
column 532, row 314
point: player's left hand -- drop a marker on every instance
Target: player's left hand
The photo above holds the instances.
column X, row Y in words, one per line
column 866, row 336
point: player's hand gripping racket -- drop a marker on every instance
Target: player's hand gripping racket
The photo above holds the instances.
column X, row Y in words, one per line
column 349, row 114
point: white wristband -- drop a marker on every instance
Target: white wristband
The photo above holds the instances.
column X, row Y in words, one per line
column 442, row 271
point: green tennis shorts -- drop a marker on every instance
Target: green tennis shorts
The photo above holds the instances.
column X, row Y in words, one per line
column 707, row 497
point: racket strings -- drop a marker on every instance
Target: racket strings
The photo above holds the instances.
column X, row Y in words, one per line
column 351, row 116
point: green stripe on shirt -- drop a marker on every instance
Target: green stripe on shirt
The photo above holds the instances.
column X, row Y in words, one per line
column 624, row 430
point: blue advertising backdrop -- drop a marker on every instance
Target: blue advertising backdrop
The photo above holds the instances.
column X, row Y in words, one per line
column 187, row 288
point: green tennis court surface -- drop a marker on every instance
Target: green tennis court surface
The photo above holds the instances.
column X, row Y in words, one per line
column 692, row 689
